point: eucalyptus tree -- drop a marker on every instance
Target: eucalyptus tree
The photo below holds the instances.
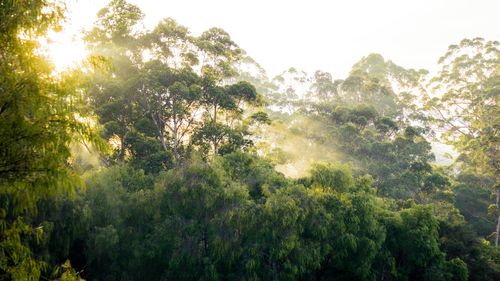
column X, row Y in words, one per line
column 227, row 100
column 393, row 90
column 172, row 44
column 360, row 87
column 290, row 90
column 115, row 80
column 398, row 157
column 172, row 99
column 465, row 104
column 186, row 86
column 324, row 88
column 170, row 90
column 218, row 55
column 408, row 85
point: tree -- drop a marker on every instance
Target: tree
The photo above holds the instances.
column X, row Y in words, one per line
column 170, row 87
column 188, row 76
column 228, row 100
column 407, row 86
column 328, row 176
column 38, row 121
column 115, row 81
column 397, row 156
column 171, row 43
column 172, row 99
column 115, row 24
column 413, row 242
column 466, row 105
column 360, row 88
column 458, row 240
column 323, row 87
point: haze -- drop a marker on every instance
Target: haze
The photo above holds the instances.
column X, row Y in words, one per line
column 157, row 148
column 314, row 34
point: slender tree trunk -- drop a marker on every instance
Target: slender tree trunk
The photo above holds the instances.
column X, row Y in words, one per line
column 175, row 140
column 498, row 218
column 176, row 151
column 175, row 129
column 161, row 130
column 497, row 190
column 162, row 139
column 205, row 241
column 122, row 149
column 215, row 127
column 122, row 141
column 215, row 114
column 216, row 146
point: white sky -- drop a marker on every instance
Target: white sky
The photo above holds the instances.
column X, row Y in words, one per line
column 315, row 34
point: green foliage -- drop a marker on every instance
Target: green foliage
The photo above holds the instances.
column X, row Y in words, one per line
column 261, row 117
column 115, row 82
column 459, row 241
column 170, row 90
column 40, row 116
column 397, row 156
column 338, row 178
column 257, row 174
column 69, row 274
column 238, row 219
column 468, row 108
column 115, row 23
column 472, row 199
column 186, row 196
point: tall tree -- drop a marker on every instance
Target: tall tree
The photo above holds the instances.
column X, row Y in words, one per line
column 466, row 105
column 38, row 121
column 170, row 91
column 218, row 56
column 172, row 98
column 116, row 81
column 323, row 87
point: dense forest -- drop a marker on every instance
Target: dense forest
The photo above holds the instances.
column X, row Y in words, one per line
column 171, row 156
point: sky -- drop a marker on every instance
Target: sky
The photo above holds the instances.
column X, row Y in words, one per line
column 312, row 34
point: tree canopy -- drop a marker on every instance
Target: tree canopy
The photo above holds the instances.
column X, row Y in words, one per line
column 172, row 156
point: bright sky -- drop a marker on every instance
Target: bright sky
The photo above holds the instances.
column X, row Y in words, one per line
column 315, row 34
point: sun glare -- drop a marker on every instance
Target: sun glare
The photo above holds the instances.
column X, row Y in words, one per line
column 64, row 51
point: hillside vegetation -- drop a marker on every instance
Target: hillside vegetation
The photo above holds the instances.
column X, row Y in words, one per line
column 170, row 156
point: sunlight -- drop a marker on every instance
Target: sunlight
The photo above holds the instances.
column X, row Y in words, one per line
column 64, row 51
column 249, row 140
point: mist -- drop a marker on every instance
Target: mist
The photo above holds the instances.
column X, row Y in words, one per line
column 308, row 141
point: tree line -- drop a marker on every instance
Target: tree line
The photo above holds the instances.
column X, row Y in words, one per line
column 154, row 160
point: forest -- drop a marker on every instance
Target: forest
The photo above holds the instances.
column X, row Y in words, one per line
column 166, row 155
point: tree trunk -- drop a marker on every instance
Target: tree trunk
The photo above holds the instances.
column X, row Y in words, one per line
column 122, row 149
column 215, row 146
column 161, row 130
column 498, row 218
column 175, row 141
column 215, row 127
column 123, row 128
column 162, row 139
column 175, row 130
column 497, row 189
